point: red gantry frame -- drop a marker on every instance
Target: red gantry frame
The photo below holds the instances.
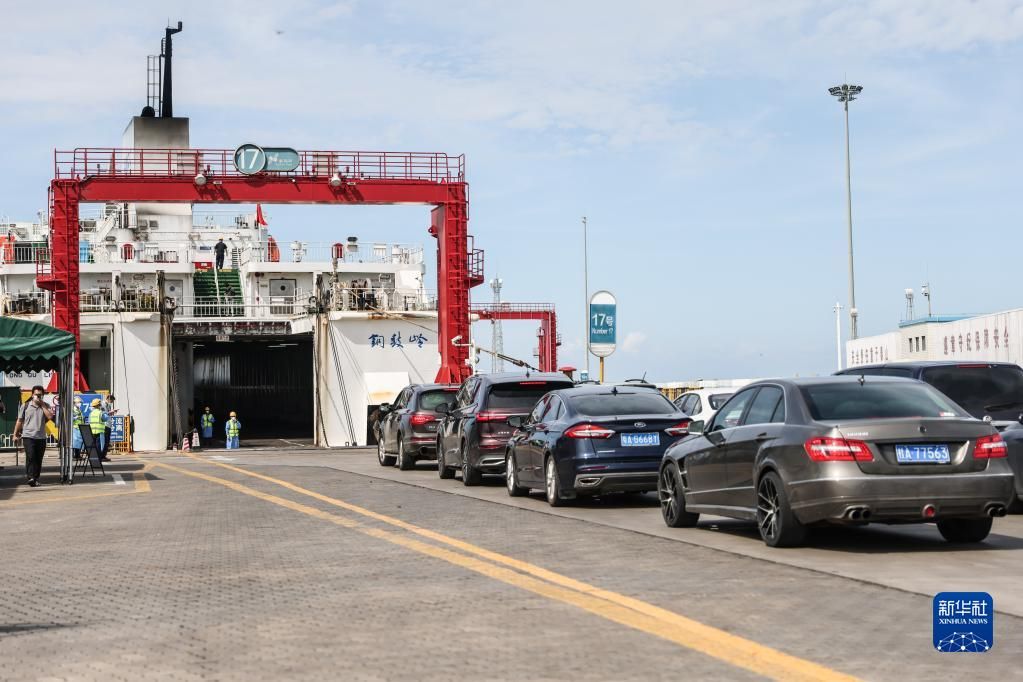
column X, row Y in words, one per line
column 209, row 176
column 547, row 335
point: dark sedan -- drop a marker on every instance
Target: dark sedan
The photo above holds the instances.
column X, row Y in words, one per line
column 843, row 450
column 591, row 440
column 408, row 427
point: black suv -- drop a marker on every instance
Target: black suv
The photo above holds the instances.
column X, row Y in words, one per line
column 987, row 390
column 408, row 426
column 473, row 433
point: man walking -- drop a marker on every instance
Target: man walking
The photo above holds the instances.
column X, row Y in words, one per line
column 206, row 421
column 31, row 430
column 219, row 249
column 232, row 429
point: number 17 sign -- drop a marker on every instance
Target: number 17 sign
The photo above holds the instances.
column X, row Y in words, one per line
column 603, row 323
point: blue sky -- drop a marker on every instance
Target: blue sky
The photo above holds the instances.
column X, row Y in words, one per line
column 697, row 137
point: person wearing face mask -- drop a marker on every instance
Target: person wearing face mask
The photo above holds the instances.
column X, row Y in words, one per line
column 31, row 430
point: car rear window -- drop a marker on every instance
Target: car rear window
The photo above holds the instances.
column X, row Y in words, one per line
column 611, row 404
column 522, row 395
column 718, row 399
column 431, row 400
column 850, row 401
column 981, row 390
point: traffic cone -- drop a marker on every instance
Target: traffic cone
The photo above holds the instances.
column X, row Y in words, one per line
column 195, row 440
column 185, row 443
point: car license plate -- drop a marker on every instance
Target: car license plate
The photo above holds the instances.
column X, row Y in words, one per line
column 638, row 440
column 922, row 454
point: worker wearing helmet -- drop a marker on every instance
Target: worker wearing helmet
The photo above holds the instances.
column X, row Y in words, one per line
column 206, row 421
column 98, row 424
column 76, row 433
column 232, row 429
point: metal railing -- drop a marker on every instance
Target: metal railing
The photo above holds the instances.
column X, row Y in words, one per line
column 322, row 252
column 26, row 303
column 133, row 299
column 384, row 300
column 24, row 253
column 214, row 163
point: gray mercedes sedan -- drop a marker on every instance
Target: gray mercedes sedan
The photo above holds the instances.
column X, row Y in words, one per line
column 792, row 453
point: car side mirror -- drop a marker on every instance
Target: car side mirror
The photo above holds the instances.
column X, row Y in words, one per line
column 696, row 426
column 515, row 422
column 443, row 408
column 385, row 408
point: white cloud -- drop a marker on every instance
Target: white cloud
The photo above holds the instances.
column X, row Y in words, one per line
column 632, row 342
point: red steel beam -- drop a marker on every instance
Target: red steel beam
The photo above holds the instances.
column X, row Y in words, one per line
column 548, row 336
column 449, row 224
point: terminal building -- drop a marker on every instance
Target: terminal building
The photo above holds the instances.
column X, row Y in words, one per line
column 302, row 339
column 997, row 337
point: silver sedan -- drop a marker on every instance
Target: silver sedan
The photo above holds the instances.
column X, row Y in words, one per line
column 793, row 453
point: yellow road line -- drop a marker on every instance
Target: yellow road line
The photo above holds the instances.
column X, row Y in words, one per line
column 619, row 608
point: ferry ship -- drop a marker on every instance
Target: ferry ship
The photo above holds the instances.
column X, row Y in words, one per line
column 301, row 339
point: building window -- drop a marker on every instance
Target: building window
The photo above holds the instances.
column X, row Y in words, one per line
column 923, row 341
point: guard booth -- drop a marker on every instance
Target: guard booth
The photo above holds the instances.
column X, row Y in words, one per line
column 32, row 347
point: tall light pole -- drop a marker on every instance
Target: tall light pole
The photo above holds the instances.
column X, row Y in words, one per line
column 838, row 334
column 586, row 301
column 845, row 94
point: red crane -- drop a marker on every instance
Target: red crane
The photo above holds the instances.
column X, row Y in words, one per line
column 547, row 334
column 209, row 176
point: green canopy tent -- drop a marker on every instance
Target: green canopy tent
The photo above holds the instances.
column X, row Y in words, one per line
column 33, row 347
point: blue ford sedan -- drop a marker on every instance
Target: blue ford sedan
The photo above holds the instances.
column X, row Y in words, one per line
column 592, row 440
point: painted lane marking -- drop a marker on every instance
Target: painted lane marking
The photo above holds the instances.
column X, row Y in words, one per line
column 141, row 486
column 118, row 479
column 635, row 613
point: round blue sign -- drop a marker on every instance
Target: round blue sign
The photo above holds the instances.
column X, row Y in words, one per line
column 249, row 159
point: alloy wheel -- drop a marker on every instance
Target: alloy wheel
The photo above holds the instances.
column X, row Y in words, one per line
column 509, row 474
column 667, row 492
column 767, row 508
column 551, row 483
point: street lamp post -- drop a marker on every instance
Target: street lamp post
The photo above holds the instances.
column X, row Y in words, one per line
column 586, row 302
column 838, row 334
column 845, row 94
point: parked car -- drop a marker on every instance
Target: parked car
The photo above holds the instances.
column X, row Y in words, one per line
column 408, row 427
column 839, row 450
column 987, row 390
column 702, row 403
column 592, row 440
column 473, row 432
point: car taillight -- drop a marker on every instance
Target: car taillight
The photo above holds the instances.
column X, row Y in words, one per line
column 588, row 431
column 420, row 418
column 490, row 417
column 990, row 447
column 680, row 429
column 837, row 450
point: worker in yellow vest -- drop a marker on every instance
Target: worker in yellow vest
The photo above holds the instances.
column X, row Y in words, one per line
column 233, row 428
column 206, row 421
column 76, row 433
column 98, row 424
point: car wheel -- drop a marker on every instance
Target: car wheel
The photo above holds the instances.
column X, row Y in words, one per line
column 778, row 526
column 443, row 470
column 552, row 487
column 385, row 459
column 965, row 530
column 673, row 501
column 511, row 478
column 405, row 461
column 470, row 474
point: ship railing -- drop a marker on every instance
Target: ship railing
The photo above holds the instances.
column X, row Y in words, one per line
column 132, row 300
column 220, row 163
column 26, row 303
column 380, row 299
column 323, row 252
column 24, row 253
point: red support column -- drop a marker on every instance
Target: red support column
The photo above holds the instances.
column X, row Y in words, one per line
column 548, row 345
column 63, row 278
column 450, row 222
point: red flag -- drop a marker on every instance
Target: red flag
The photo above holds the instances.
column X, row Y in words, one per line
column 260, row 220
